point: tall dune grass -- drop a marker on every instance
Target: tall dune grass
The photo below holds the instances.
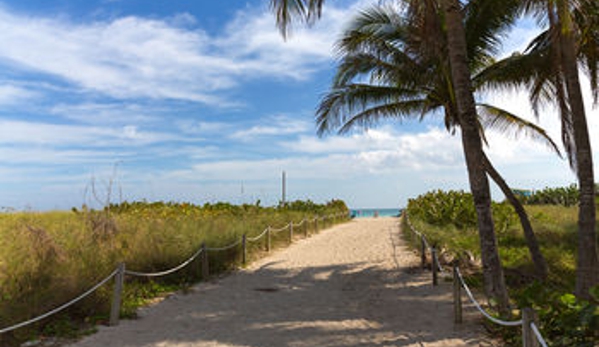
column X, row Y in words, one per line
column 49, row 258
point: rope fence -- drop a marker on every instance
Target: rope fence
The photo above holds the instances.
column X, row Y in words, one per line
column 166, row 272
column 538, row 335
column 479, row 307
column 256, row 238
column 279, row 229
column 62, row 307
column 531, row 336
column 225, row 248
column 119, row 273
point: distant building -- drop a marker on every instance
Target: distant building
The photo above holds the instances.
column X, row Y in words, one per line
column 524, row 193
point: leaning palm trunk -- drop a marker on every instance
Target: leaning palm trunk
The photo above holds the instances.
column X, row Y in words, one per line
column 494, row 281
column 587, row 266
column 537, row 257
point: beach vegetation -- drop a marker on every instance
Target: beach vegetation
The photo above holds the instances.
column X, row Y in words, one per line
column 565, row 320
column 49, row 258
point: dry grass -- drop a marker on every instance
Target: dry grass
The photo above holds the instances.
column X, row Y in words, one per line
column 47, row 259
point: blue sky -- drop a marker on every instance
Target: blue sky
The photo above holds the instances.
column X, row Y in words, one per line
column 203, row 101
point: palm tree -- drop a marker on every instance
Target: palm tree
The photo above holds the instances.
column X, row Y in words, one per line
column 472, row 145
column 430, row 11
column 549, row 68
column 402, row 84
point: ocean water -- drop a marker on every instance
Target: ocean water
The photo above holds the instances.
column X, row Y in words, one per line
column 371, row 212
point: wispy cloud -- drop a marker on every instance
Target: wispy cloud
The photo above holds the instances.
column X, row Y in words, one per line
column 36, row 133
column 280, row 125
column 15, row 95
column 134, row 57
column 107, row 113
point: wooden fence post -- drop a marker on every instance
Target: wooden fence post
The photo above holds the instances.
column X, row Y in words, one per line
column 268, row 239
column 244, row 245
column 290, row 232
column 205, row 265
column 435, row 266
column 115, row 309
column 423, row 252
column 528, row 337
column 305, row 227
column 316, row 225
column 457, row 296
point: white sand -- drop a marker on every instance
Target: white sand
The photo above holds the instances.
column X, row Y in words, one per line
column 351, row 285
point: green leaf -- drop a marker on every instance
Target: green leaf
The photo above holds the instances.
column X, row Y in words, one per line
column 568, row 299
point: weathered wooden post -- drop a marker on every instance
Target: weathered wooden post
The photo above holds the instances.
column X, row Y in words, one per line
column 244, row 245
column 115, row 309
column 435, row 265
column 305, row 222
column 457, row 296
column 268, row 239
column 205, row 265
column 423, row 251
column 316, row 224
column 528, row 337
column 290, row 232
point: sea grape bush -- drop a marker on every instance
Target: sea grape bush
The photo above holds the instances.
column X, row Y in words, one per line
column 564, row 319
column 565, row 196
column 456, row 208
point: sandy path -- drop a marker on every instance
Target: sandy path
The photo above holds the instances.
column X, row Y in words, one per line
column 350, row 285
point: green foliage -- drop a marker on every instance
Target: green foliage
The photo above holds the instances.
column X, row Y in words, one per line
column 563, row 320
column 455, row 208
column 565, row 196
column 46, row 259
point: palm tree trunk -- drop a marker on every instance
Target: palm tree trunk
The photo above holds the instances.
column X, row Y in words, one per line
column 587, row 266
column 494, row 281
column 531, row 240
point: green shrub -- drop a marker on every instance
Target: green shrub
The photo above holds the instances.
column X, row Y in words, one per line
column 565, row 196
column 563, row 320
column 455, row 208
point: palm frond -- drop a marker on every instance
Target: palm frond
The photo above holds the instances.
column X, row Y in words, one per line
column 288, row 12
column 337, row 106
column 372, row 115
column 486, row 23
column 586, row 17
column 518, row 69
column 509, row 124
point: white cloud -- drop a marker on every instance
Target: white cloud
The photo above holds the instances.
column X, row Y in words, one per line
column 277, row 126
column 373, row 153
column 387, row 149
column 134, row 57
column 36, row 133
column 202, row 128
column 15, row 95
column 107, row 113
column 520, row 37
column 265, row 50
column 44, row 156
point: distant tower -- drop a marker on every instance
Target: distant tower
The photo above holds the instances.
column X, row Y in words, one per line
column 284, row 183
